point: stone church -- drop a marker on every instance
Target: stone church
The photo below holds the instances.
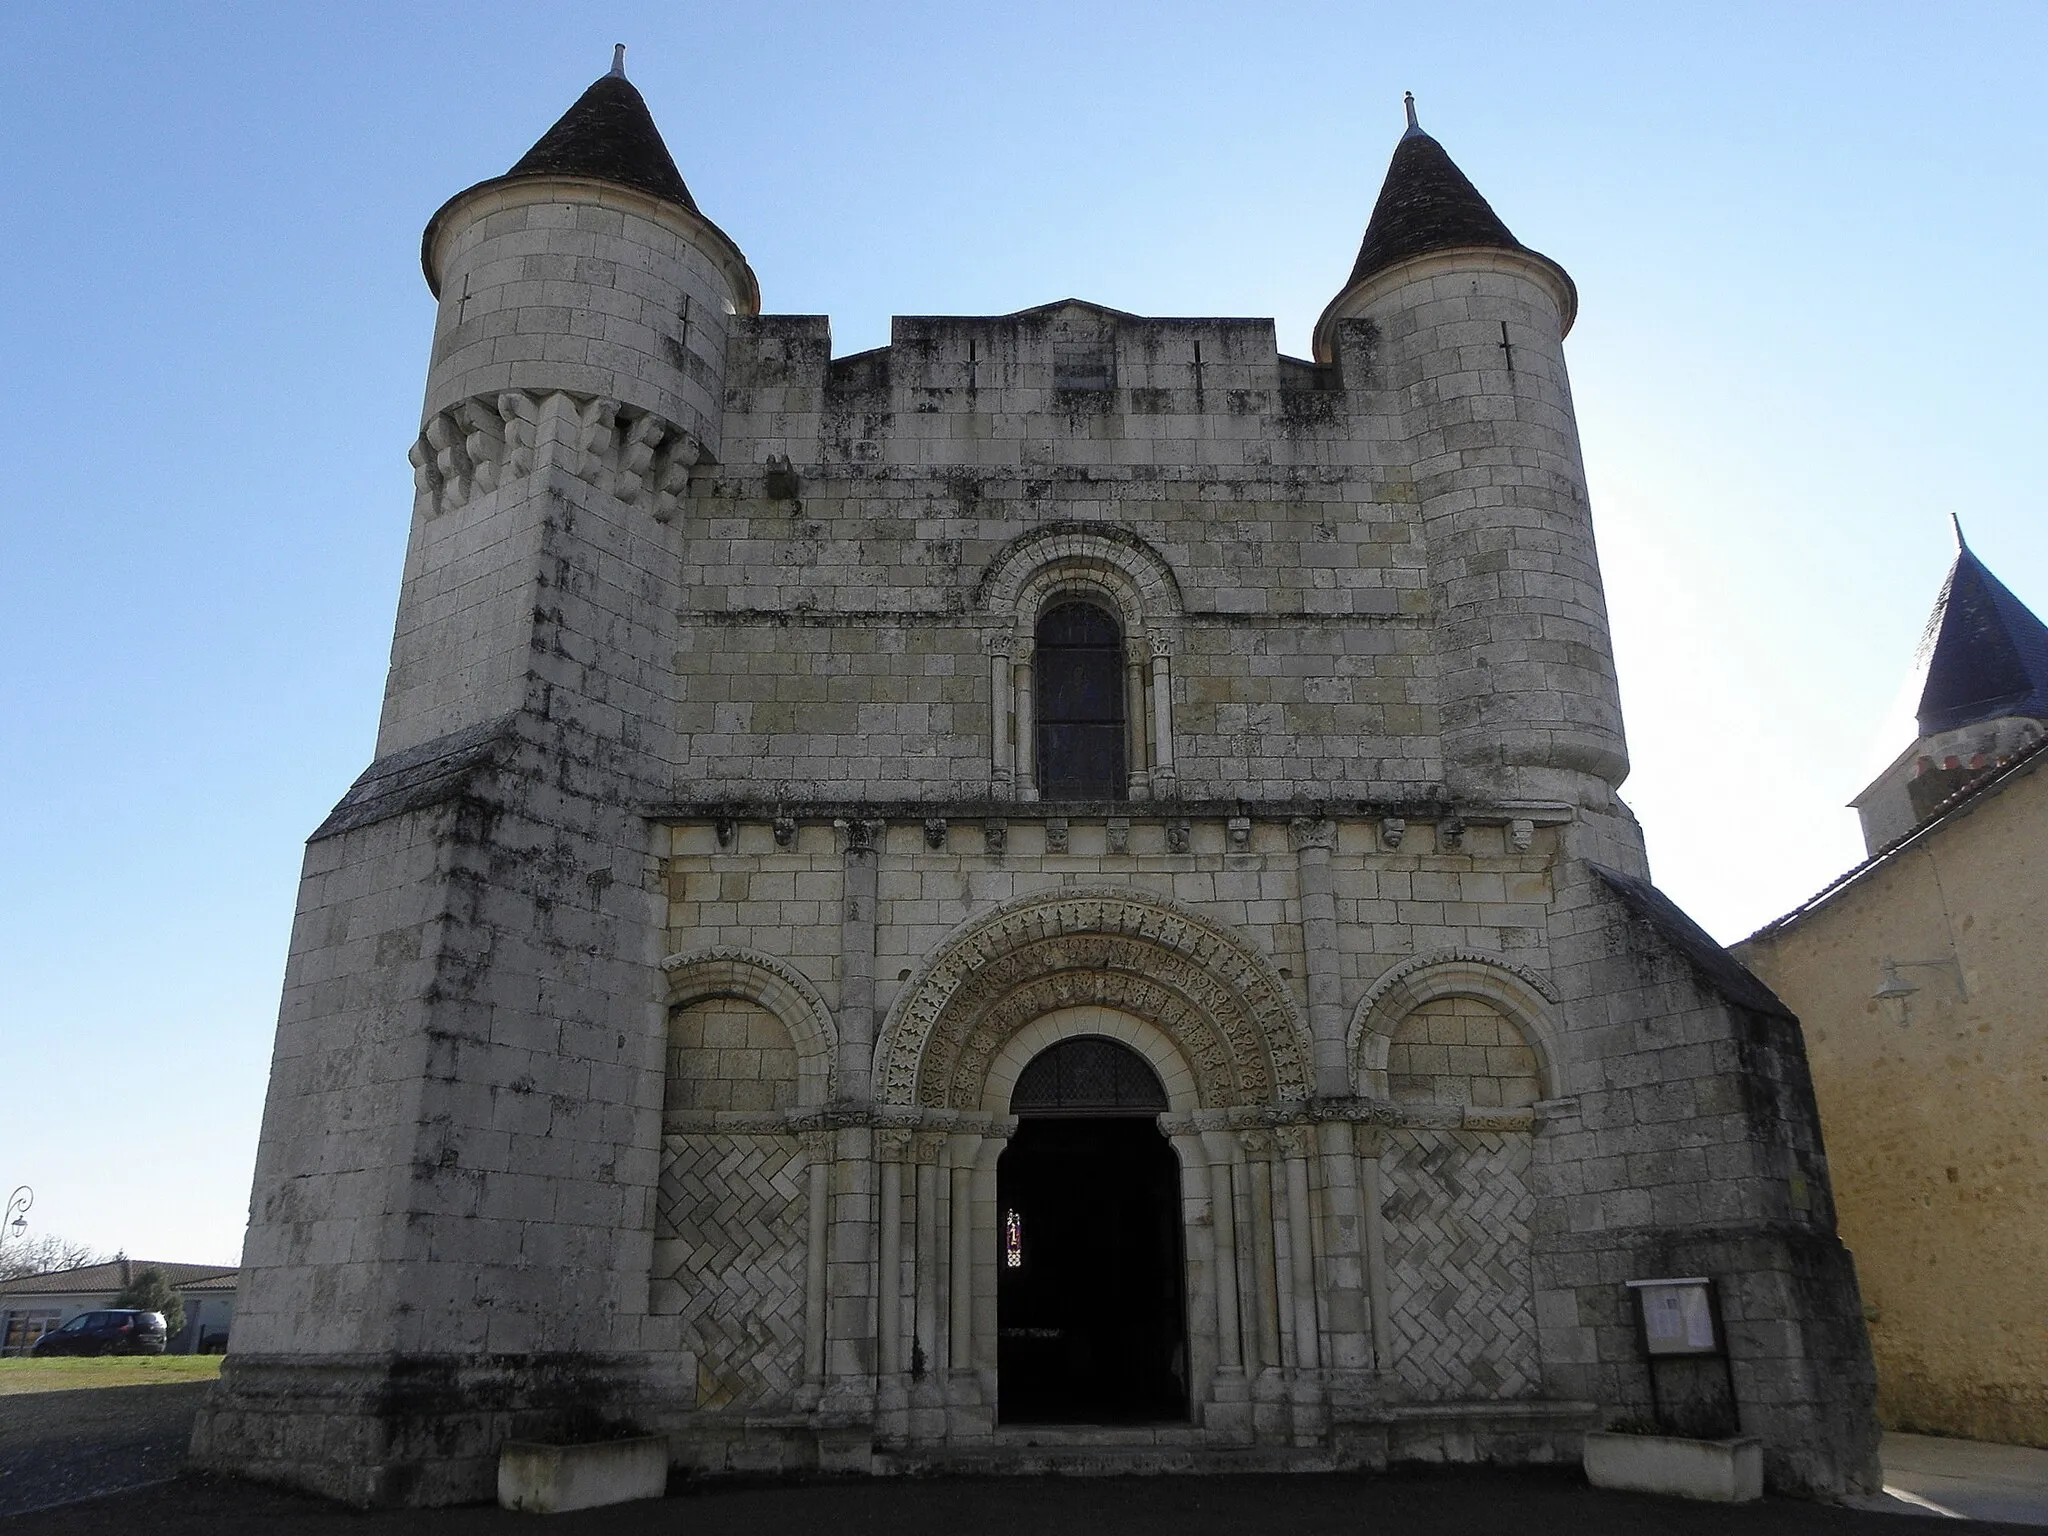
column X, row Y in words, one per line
column 1049, row 896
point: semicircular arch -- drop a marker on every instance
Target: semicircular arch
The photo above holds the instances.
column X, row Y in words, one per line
column 730, row 971
column 1525, row 998
column 1221, row 1003
column 1050, row 562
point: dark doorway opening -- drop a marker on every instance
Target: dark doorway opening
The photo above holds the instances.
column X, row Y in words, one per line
column 1092, row 1321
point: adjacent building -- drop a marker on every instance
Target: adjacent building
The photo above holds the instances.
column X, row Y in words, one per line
column 1047, row 895
column 1920, row 977
column 33, row 1305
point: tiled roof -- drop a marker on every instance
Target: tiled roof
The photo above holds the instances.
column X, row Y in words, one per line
column 1963, row 801
column 608, row 135
column 1426, row 204
column 115, row 1274
column 1984, row 653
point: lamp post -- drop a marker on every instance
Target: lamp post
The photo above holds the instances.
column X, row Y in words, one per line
column 16, row 1221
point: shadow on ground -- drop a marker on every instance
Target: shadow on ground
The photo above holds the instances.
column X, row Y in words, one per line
column 61, row 1448
column 1479, row 1502
column 57, row 1446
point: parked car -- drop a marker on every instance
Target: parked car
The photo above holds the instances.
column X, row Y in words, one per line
column 122, row 1332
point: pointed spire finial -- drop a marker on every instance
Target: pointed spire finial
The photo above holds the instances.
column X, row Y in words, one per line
column 1408, row 101
column 1962, row 544
column 619, row 60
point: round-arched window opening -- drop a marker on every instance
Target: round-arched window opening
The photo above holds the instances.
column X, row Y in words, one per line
column 1081, row 748
column 1087, row 1075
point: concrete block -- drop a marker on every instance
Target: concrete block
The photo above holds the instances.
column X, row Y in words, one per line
column 1727, row 1471
column 549, row 1479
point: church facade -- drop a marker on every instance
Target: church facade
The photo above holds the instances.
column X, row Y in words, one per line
column 1050, row 895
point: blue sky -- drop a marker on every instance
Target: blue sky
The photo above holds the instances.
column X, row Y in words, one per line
column 1808, row 240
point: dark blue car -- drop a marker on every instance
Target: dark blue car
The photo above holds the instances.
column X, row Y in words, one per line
column 111, row 1332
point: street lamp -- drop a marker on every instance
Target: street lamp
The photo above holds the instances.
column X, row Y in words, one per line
column 17, row 1210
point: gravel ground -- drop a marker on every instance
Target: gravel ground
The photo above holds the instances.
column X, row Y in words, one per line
column 1481, row 1503
column 59, row 1446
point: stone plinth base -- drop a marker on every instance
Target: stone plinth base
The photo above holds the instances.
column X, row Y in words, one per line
column 420, row 1430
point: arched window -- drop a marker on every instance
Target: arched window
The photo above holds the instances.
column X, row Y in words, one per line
column 1088, row 1075
column 1080, row 697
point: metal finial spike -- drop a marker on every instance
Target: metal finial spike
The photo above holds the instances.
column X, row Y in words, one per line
column 619, row 60
column 1408, row 101
column 1957, row 524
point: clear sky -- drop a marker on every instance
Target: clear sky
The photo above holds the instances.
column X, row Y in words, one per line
column 1809, row 241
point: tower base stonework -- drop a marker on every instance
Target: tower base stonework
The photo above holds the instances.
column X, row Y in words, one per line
column 807, row 786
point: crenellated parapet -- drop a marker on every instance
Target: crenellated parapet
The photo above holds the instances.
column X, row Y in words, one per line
column 473, row 448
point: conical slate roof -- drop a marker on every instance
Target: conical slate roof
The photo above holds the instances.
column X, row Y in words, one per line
column 1984, row 653
column 1426, row 204
column 608, row 135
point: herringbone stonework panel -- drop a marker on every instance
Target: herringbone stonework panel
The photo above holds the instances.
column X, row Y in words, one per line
column 1457, row 1209
column 729, row 1254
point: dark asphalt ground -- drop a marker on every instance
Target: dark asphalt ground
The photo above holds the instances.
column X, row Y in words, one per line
column 60, row 1445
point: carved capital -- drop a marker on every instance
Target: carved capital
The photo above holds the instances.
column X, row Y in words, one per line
column 858, row 835
column 1305, row 832
column 892, row 1145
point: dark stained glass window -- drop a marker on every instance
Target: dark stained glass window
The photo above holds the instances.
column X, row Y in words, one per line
column 1080, row 685
column 1088, row 1075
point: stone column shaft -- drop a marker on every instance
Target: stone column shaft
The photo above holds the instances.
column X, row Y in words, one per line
column 1027, row 732
column 857, row 965
column 1139, row 779
column 1002, row 768
column 1326, row 1021
column 1162, row 725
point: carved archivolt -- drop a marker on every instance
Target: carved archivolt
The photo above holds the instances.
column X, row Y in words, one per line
column 729, row 971
column 1523, row 995
column 1214, row 996
column 474, row 447
column 1048, row 563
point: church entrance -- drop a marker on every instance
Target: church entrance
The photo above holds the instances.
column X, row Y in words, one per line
column 1092, row 1321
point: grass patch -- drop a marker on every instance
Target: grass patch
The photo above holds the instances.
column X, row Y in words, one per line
column 67, row 1374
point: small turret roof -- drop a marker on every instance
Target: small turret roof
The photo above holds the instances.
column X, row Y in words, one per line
column 1984, row 652
column 1426, row 204
column 608, row 135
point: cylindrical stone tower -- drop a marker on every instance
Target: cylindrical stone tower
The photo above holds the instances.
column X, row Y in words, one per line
column 1463, row 328
column 587, row 268
column 584, row 309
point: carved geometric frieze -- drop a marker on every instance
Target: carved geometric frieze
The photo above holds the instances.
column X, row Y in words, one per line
column 477, row 445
